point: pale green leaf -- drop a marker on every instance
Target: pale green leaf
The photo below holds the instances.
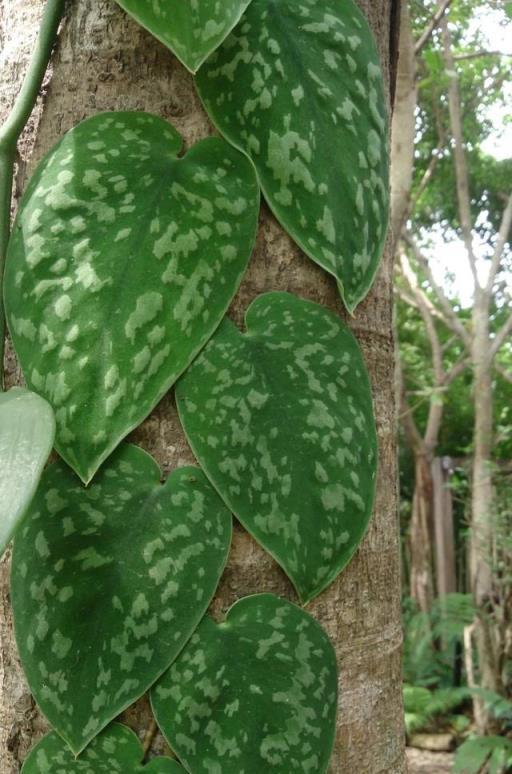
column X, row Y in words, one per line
column 116, row 751
column 27, row 432
column 254, row 694
column 298, row 87
column 109, row 582
column 123, row 261
column 475, row 752
column 191, row 29
column 281, row 420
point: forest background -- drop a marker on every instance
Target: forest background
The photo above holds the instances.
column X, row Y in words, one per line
column 452, row 214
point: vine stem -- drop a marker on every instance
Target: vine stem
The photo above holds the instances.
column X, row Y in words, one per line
column 11, row 131
column 149, row 737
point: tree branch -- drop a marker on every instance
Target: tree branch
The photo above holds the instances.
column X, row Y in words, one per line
column 431, row 26
column 477, row 54
column 409, row 299
column 425, row 180
column 406, row 298
column 456, row 370
column 506, row 224
column 435, row 413
column 461, row 168
column 501, row 337
column 507, row 375
column 451, row 319
column 413, row 435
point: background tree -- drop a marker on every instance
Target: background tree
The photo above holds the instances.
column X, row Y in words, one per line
column 104, row 62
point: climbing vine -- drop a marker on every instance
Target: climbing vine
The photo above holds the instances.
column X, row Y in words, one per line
column 124, row 257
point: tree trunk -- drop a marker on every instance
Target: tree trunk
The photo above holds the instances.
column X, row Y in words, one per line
column 420, row 536
column 403, row 132
column 106, row 62
column 446, row 572
column 482, row 507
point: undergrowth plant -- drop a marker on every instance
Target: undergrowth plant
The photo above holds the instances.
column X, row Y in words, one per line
column 123, row 260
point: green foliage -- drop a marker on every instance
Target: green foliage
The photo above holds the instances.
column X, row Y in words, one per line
column 483, row 85
column 422, row 706
column 127, row 258
column 109, row 582
column 281, row 420
column 255, row 693
column 495, row 751
column 115, row 751
column 472, row 756
column 499, row 707
column 191, row 29
column 416, row 703
column 424, row 663
column 27, row 431
column 298, row 87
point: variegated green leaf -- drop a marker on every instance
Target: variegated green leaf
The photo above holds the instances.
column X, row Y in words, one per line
column 254, row 694
column 281, row 420
column 116, row 751
column 109, row 582
column 298, row 87
column 123, row 261
column 27, row 431
column 192, row 29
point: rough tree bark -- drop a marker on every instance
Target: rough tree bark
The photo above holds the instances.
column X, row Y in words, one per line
column 105, row 62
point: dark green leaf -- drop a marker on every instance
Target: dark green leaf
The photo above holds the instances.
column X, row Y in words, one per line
column 281, row 420
column 27, row 431
column 254, row 694
column 191, row 29
column 109, row 582
column 127, row 258
column 116, row 751
column 298, row 87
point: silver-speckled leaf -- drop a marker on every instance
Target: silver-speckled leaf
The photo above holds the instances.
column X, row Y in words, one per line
column 281, row 421
column 123, row 261
column 109, row 582
column 298, row 87
column 192, row 29
column 254, row 694
column 27, row 431
column 115, row 751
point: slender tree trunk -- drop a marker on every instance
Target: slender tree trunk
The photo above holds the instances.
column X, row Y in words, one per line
column 403, row 130
column 420, row 537
column 444, row 538
column 402, row 165
column 482, row 506
column 481, row 575
column 106, row 62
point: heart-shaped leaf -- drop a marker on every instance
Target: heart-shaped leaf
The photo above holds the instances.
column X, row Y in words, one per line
column 109, row 582
column 298, row 87
column 27, row 431
column 127, row 258
column 281, row 420
column 191, row 29
column 254, row 694
column 116, row 751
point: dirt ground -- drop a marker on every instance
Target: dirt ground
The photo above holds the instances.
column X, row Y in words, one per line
column 422, row 762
